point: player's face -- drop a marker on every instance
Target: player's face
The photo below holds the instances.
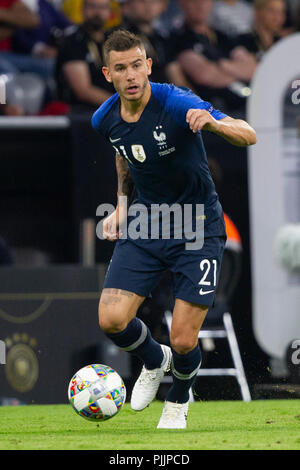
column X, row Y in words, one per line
column 128, row 71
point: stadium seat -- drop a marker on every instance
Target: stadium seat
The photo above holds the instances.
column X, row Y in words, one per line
column 27, row 90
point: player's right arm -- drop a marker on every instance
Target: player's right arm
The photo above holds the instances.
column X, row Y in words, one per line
column 125, row 183
column 112, row 225
column 191, row 111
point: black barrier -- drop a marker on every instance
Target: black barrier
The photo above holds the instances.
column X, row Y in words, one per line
column 49, row 323
column 94, row 177
column 36, row 202
column 50, row 180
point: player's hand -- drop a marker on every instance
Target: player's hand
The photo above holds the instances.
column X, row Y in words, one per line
column 110, row 227
column 200, row 119
column 113, row 223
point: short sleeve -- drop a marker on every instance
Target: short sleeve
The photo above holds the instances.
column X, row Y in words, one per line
column 181, row 99
column 102, row 111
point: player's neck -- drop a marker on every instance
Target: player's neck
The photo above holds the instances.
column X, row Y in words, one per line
column 131, row 110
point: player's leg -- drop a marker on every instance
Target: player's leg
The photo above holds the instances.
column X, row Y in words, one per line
column 186, row 323
column 196, row 275
column 117, row 319
column 117, row 307
column 132, row 274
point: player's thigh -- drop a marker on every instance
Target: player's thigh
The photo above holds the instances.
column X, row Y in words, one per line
column 132, row 274
column 117, row 308
column 187, row 320
column 196, row 273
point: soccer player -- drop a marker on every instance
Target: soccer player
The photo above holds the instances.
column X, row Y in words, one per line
column 156, row 130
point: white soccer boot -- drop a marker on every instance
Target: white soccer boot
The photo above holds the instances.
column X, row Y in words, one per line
column 174, row 416
column 146, row 386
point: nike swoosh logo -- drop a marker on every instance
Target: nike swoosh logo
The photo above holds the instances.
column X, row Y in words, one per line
column 114, row 140
column 201, row 292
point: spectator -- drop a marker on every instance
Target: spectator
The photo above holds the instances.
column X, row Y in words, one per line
column 291, row 24
column 14, row 14
column 80, row 82
column 196, row 51
column 171, row 18
column 139, row 17
column 33, row 50
column 269, row 20
column 232, row 17
column 42, row 41
column 17, row 56
column 73, row 10
column 115, row 18
column 268, row 23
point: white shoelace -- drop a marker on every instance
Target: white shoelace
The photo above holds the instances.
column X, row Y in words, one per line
column 146, row 376
column 171, row 411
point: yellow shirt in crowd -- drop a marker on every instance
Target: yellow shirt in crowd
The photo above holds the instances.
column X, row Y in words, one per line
column 73, row 10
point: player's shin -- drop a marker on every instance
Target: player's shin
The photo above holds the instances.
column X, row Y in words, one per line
column 184, row 369
column 136, row 339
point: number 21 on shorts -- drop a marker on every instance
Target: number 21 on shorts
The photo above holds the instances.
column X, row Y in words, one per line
column 209, row 269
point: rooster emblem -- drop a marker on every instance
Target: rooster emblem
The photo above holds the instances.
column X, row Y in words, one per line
column 159, row 136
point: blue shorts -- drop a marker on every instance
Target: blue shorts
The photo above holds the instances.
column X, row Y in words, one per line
column 137, row 266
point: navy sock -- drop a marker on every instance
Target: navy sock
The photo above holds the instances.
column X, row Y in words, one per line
column 136, row 339
column 184, row 369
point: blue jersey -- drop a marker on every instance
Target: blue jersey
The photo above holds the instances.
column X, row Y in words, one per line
column 167, row 161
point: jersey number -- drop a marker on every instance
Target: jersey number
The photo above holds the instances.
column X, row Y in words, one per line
column 205, row 267
column 122, row 151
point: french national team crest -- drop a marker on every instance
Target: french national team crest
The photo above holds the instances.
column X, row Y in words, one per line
column 138, row 152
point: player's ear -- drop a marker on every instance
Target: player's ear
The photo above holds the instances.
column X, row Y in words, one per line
column 149, row 66
column 106, row 74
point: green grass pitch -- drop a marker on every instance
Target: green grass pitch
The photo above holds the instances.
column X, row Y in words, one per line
column 269, row 424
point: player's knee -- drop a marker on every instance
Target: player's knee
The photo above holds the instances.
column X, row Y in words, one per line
column 112, row 325
column 110, row 320
column 183, row 344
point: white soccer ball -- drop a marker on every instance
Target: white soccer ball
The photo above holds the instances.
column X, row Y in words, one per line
column 97, row 392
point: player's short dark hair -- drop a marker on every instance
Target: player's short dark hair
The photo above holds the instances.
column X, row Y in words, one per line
column 120, row 40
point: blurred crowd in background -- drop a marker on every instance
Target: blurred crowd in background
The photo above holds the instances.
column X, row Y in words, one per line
column 51, row 50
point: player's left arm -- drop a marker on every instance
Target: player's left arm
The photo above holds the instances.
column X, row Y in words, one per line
column 236, row 131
